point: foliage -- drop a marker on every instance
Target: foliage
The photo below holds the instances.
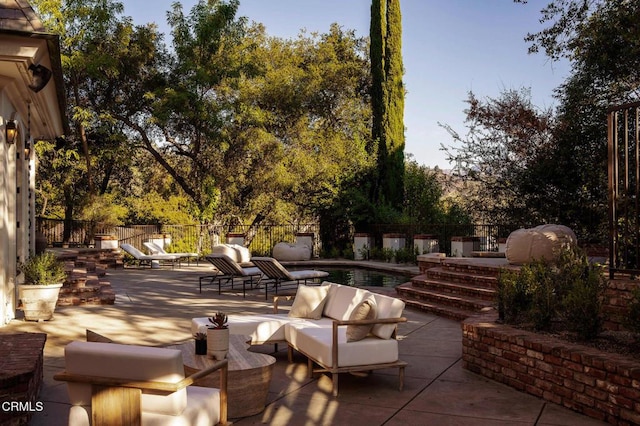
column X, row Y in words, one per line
column 508, row 138
column 542, row 293
column 43, row 269
column 218, row 321
column 200, row 336
column 422, row 194
column 387, row 100
column 229, row 126
column 513, row 296
column 103, row 211
column 583, row 303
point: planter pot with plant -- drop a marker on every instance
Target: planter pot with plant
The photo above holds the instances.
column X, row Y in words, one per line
column 44, row 274
column 218, row 337
column 201, row 343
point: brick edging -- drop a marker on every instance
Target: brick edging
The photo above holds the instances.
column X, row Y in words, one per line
column 601, row 385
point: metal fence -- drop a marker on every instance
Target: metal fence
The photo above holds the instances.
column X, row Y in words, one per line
column 181, row 238
column 488, row 235
column 624, row 188
column 200, row 238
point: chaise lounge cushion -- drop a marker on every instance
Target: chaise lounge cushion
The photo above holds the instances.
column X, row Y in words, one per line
column 316, row 341
column 309, row 302
column 238, row 253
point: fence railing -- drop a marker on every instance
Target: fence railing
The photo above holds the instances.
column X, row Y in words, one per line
column 181, row 238
column 489, row 235
column 200, row 238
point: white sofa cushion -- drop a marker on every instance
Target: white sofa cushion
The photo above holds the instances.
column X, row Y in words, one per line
column 309, row 302
column 129, row 362
column 316, row 341
column 261, row 328
column 387, row 307
column 342, row 300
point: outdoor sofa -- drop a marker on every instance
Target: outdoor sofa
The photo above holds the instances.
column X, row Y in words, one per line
column 338, row 328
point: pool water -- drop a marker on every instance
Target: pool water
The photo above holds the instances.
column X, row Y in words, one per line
column 365, row 277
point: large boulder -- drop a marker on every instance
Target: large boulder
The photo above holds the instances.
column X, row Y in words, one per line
column 288, row 251
column 541, row 242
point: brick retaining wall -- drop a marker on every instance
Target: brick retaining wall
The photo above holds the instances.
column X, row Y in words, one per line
column 21, row 372
column 601, row 385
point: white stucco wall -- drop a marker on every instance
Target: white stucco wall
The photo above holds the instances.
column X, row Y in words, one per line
column 8, row 242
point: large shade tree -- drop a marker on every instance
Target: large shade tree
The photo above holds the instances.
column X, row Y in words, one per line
column 248, row 127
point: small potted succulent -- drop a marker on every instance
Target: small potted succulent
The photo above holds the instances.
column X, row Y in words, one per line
column 201, row 343
column 218, row 336
column 43, row 274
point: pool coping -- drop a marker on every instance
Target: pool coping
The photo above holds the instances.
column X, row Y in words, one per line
column 410, row 270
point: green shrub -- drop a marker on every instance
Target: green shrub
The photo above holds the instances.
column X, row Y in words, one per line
column 544, row 303
column 514, row 299
column 582, row 303
column 541, row 293
column 376, row 253
column 43, row 269
column 388, row 254
column 405, row 255
column 364, row 252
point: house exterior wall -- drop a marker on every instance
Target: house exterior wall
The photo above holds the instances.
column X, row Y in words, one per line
column 17, row 208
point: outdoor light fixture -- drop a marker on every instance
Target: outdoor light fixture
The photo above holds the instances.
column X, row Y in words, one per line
column 10, row 130
column 41, row 76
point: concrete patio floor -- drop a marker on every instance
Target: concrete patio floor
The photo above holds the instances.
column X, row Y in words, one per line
column 154, row 307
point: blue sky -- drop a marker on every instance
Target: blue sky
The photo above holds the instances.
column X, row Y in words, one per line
column 450, row 47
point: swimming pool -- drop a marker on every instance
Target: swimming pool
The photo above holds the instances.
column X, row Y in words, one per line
column 358, row 277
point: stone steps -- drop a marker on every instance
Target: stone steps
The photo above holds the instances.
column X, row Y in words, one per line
column 452, row 287
column 86, row 283
column 457, row 287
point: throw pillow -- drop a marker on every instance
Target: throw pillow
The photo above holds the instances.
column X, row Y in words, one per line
column 309, row 302
column 365, row 310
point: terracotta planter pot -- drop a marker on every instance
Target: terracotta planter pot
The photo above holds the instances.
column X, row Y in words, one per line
column 217, row 343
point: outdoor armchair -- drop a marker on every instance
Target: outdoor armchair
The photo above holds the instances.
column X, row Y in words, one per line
column 110, row 384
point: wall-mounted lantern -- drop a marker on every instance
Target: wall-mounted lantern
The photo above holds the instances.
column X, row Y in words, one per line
column 11, row 131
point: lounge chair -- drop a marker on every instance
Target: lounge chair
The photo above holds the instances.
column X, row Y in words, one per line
column 274, row 271
column 156, row 249
column 142, row 258
column 228, row 271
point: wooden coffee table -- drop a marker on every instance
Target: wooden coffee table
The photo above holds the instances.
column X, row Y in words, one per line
column 248, row 378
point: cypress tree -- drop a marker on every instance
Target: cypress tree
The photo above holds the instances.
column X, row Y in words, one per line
column 387, row 101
